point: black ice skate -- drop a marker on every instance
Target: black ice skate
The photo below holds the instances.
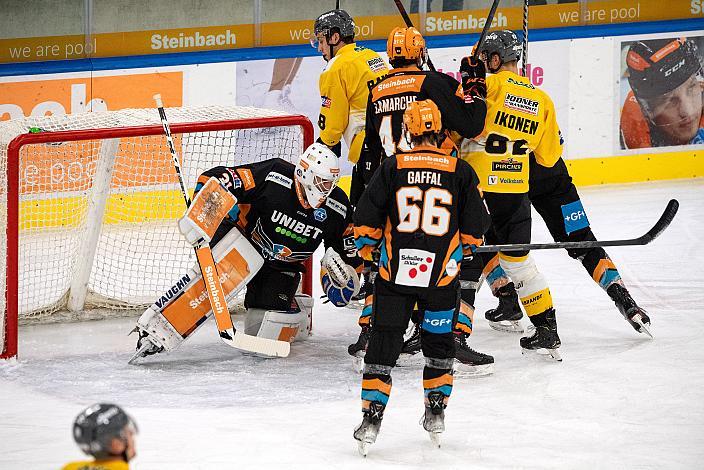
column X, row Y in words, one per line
column 412, row 345
column 359, row 349
column 368, row 429
column 433, row 420
column 507, row 315
column 468, row 362
column 633, row 314
column 145, row 346
column 544, row 339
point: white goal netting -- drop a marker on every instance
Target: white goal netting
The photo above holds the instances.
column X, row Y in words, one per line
column 98, row 201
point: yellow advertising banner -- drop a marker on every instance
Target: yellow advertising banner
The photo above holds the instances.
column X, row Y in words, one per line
column 368, row 27
column 127, row 43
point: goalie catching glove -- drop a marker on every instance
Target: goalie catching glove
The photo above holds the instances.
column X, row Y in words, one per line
column 340, row 281
column 209, row 207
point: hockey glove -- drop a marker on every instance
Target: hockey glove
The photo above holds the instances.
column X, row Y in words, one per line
column 340, row 281
column 473, row 79
column 202, row 218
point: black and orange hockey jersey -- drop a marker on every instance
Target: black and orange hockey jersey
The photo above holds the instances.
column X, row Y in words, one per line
column 388, row 100
column 424, row 210
column 271, row 216
column 520, row 120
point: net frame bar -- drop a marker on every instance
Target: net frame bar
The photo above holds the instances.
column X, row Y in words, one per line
column 11, row 321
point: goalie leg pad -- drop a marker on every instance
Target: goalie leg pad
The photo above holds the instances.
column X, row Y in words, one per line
column 276, row 324
column 185, row 306
column 273, row 324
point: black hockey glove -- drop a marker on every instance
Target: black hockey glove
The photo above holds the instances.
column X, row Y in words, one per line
column 473, row 78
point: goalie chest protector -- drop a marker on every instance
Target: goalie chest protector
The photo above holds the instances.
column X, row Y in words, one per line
column 274, row 220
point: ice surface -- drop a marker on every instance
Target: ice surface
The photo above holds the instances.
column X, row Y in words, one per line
column 619, row 400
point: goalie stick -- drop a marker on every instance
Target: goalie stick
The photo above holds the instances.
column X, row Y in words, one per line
column 660, row 226
column 226, row 329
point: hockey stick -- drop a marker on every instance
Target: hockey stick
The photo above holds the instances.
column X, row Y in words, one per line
column 485, row 29
column 524, row 62
column 649, row 236
column 226, row 329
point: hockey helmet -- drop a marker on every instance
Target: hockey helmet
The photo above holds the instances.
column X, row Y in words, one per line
column 422, row 118
column 504, row 43
column 96, row 426
column 406, row 44
column 658, row 66
column 318, row 172
column 333, row 20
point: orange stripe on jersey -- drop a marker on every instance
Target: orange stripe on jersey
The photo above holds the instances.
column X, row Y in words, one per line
column 384, row 271
column 603, row 265
column 426, row 161
column 242, row 218
column 397, row 85
column 445, row 379
column 444, row 278
column 376, row 384
column 491, row 265
column 247, row 178
column 470, row 240
column 366, row 231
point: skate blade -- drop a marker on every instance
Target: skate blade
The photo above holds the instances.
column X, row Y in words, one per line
column 139, row 353
column 507, row 326
column 355, row 305
column 363, row 448
column 435, row 438
column 466, row 371
column 552, row 355
column 358, row 364
column 642, row 327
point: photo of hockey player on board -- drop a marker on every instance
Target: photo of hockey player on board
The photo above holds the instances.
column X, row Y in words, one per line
column 663, row 104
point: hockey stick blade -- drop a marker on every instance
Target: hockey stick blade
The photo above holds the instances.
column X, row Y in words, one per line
column 663, row 222
column 261, row 346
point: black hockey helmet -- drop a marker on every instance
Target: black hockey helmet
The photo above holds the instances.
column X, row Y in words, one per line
column 333, row 20
column 96, row 427
column 504, row 43
column 658, row 66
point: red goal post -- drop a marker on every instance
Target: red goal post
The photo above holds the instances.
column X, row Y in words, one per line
column 89, row 204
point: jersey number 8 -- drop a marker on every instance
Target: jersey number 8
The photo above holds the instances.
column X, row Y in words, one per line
column 431, row 218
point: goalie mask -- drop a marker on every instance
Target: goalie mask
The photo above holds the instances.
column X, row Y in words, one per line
column 96, row 427
column 317, row 172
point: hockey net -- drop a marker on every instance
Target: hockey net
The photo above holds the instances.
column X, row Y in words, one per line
column 89, row 204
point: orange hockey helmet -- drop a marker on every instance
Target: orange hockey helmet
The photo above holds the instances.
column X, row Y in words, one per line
column 405, row 43
column 422, row 118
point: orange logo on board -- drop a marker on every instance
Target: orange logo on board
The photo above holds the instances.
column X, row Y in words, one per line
column 82, row 95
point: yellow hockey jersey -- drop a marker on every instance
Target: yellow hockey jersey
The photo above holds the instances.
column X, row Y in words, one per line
column 344, row 88
column 520, row 119
column 111, row 464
